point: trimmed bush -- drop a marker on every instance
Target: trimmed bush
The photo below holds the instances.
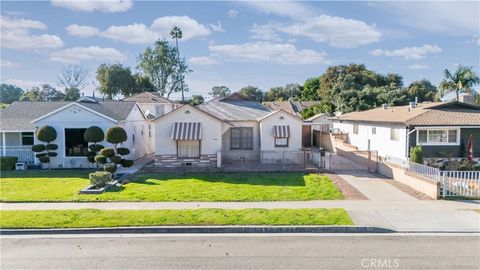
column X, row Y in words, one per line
column 126, row 163
column 38, row 148
column 95, row 147
column 44, row 159
column 123, row 151
column 94, row 134
column 51, row 147
column 111, row 168
column 41, row 155
column 8, row 163
column 100, row 179
column 116, row 159
column 116, row 135
column 100, row 159
column 46, row 134
column 416, row 154
column 108, row 152
column 52, row 154
column 91, row 159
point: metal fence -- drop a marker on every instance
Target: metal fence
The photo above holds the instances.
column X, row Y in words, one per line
column 428, row 172
column 267, row 160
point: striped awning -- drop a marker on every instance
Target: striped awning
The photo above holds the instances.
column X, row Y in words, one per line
column 187, row 131
column 281, row 131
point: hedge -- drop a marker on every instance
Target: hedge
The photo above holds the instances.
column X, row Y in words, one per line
column 8, row 163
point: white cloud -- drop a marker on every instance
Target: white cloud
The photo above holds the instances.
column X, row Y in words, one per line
column 24, row 84
column 232, row 13
column 267, row 52
column 136, row 33
column 336, row 31
column 418, row 67
column 202, row 61
column 282, row 8
column 15, row 35
column 409, row 53
column 82, row 30
column 190, row 27
column 6, row 63
column 77, row 54
column 12, row 23
column 95, row 5
column 217, row 27
column 266, row 32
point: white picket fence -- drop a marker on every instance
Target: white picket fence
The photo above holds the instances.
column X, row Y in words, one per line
column 453, row 183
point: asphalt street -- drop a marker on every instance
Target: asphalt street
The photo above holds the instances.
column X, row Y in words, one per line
column 242, row 251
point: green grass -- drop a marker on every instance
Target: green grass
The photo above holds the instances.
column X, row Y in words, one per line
column 54, row 186
column 113, row 218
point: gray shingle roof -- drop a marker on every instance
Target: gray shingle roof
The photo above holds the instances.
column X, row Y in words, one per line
column 235, row 110
column 18, row 115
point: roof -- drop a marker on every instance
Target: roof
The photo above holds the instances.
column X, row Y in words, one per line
column 291, row 106
column 192, row 107
column 433, row 114
column 18, row 115
column 317, row 116
column 278, row 111
column 235, row 108
column 147, row 97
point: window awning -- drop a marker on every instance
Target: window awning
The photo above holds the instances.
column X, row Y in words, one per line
column 187, row 131
column 281, row 131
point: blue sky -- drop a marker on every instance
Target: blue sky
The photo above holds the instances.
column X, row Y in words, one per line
column 236, row 44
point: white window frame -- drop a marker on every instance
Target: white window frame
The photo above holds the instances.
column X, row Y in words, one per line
column 457, row 142
column 355, row 129
column 396, row 130
column 374, row 130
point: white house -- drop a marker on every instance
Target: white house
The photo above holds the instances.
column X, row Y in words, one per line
column 20, row 120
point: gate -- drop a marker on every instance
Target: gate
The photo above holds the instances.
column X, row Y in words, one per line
column 352, row 161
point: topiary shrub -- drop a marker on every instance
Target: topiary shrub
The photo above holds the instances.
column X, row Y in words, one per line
column 93, row 135
column 100, row 179
column 8, row 163
column 416, row 154
column 112, row 157
column 47, row 135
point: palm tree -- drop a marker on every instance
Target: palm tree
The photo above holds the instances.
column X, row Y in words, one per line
column 462, row 81
column 176, row 33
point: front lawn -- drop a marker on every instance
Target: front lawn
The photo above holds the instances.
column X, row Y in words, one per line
column 176, row 187
column 115, row 218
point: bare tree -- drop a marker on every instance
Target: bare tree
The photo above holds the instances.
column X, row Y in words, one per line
column 73, row 76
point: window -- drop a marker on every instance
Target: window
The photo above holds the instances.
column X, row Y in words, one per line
column 374, row 130
column 75, row 145
column 394, row 134
column 355, row 128
column 27, row 138
column 241, row 138
column 438, row 136
column 281, row 142
column 188, row 149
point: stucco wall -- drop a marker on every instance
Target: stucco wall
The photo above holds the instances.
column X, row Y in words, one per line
column 11, row 139
column 151, row 108
column 211, row 141
column 136, row 127
column 229, row 154
column 380, row 141
column 281, row 118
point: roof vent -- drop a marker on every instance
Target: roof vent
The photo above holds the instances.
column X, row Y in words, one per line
column 411, row 105
column 384, row 106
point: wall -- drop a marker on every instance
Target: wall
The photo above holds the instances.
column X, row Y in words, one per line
column 136, row 127
column 166, row 148
column 380, row 141
column 281, row 118
column 232, row 155
column 151, row 108
column 72, row 117
column 324, row 120
column 11, row 139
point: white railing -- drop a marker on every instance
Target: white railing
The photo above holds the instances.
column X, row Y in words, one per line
column 428, row 172
column 460, row 183
column 23, row 153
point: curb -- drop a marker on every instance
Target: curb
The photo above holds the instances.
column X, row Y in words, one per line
column 202, row 229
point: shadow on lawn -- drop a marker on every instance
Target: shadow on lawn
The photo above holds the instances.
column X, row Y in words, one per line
column 47, row 174
column 262, row 179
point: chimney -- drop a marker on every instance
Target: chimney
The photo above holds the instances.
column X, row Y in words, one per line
column 385, row 106
column 411, row 105
column 469, row 99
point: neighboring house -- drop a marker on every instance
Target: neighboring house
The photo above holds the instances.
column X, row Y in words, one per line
column 230, row 129
column 20, row 120
column 292, row 106
column 152, row 104
column 313, row 126
column 443, row 129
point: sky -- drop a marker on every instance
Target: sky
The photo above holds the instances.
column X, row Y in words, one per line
column 261, row 43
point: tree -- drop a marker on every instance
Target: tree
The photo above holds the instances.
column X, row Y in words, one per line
column 72, row 94
column 115, row 79
column 73, row 76
column 195, row 100
column 143, row 84
column 220, row 91
column 43, row 93
column 164, row 68
column 461, row 81
column 47, row 135
column 10, row 93
column 424, row 90
column 176, row 33
column 322, row 107
column 310, row 89
column 110, row 157
column 252, row 93
column 416, row 154
column 291, row 90
column 93, row 135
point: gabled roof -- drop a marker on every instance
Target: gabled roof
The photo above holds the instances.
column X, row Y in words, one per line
column 235, row 108
column 317, row 116
column 291, row 106
column 432, row 113
column 191, row 107
column 19, row 115
column 278, row 111
column 147, row 97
